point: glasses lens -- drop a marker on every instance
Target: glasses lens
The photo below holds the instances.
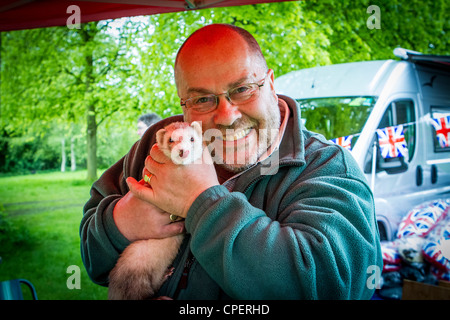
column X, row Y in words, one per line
column 202, row 103
column 243, row 93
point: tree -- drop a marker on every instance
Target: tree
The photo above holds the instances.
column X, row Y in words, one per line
column 81, row 72
column 417, row 25
column 97, row 59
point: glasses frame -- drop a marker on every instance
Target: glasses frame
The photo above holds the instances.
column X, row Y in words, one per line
column 260, row 83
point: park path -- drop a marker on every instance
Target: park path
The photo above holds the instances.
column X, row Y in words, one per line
column 34, row 207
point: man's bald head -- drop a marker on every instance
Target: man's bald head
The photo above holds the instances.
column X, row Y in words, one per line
column 223, row 36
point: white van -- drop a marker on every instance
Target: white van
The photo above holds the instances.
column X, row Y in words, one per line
column 352, row 101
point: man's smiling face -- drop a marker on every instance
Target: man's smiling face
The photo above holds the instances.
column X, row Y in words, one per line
column 214, row 63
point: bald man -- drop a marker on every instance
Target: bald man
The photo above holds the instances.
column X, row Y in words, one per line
column 272, row 211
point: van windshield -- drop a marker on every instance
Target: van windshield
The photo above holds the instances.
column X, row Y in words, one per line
column 336, row 117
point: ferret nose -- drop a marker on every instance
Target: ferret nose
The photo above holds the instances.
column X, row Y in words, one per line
column 184, row 153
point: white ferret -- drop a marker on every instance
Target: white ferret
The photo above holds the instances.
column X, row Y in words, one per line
column 144, row 265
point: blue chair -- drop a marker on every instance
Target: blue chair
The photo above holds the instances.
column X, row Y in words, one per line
column 11, row 289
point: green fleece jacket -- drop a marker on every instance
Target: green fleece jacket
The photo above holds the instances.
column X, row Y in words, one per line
column 306, row 229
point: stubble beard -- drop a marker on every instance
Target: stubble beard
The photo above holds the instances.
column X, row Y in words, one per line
column 267, row 130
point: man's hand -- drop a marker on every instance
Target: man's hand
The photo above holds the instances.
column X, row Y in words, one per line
column 172, row 187
column 138, row 219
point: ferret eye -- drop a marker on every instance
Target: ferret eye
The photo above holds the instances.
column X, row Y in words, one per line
column 192, row 139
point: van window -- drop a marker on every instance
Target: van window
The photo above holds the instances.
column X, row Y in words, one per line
column 402, row 112
column 336, row 117
column 439, row 113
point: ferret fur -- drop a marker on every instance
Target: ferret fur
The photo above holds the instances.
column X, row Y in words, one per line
column 144, row 265
column 181, row 142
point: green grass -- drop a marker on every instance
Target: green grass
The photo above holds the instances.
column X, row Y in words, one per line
column 40, row 233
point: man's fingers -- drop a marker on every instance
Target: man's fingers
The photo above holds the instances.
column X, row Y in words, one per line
column 139, row 190
column 173, row 229
column 157, row 155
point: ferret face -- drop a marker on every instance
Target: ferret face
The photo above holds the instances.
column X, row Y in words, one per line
column 181, row 142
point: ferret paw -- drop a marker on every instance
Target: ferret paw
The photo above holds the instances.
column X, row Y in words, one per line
column 169, row 272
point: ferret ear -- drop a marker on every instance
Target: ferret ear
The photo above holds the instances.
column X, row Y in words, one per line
column 197, row 127
column 160, row 137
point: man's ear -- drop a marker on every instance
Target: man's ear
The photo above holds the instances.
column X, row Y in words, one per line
column 197, row 127
column 272, row 83
column 160, row 137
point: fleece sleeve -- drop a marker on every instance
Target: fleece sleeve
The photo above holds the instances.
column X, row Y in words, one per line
column 100, row 240
column 318, row 245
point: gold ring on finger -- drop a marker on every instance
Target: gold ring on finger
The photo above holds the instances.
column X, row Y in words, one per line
column 148, row 178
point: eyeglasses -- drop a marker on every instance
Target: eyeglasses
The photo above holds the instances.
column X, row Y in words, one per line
column 240, row 94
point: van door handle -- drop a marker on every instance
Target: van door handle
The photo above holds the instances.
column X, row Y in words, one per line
column 434, row 174
column 419, row 176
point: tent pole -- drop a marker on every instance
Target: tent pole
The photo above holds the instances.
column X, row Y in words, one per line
column 374, row 164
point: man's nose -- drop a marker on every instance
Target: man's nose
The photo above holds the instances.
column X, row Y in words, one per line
column 226, row 113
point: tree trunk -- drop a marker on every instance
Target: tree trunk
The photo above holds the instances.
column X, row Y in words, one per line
column 91, row 134
column 73, row 162
column 91, row 130
column 63, row 155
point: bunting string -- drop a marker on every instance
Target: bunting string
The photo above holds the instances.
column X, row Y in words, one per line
column 392, row 139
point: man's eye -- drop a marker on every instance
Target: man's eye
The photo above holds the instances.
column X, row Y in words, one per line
column 241, row 89
column 170, row 140
column 203, row 100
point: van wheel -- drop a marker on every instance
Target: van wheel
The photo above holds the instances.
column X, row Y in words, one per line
column 382, row 230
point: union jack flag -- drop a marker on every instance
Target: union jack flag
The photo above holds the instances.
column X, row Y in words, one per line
column 392, row 142
column 345, row 142
column 436, row 250
column 442, row 127
column 421, row 219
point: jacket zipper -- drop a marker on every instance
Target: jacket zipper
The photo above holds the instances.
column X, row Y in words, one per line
column 182, row 284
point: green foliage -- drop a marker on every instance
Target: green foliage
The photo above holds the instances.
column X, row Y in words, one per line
column 95, row 82
column 28, row 153
column 76, row 69
column 417, row 25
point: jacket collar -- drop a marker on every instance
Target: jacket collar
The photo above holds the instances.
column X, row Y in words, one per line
column 291, row 152
column 292, row 146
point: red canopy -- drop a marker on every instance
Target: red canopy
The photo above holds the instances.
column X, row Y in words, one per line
column 27, row 14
